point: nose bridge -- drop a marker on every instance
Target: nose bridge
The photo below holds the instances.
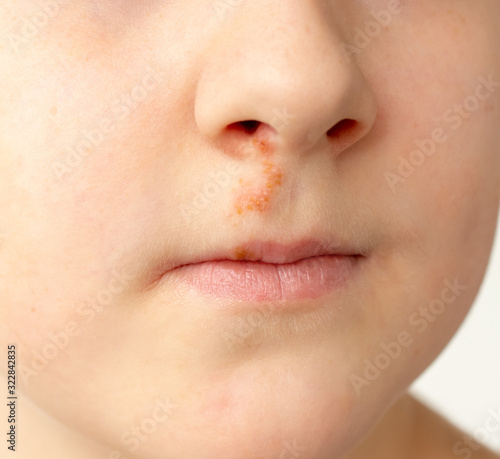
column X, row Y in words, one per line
column 282, row 66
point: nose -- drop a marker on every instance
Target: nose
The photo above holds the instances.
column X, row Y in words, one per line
column 280, row 67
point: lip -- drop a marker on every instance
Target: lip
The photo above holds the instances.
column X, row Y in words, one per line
column 259, row 271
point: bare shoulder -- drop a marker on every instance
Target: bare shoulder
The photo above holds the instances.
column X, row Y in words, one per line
column 438, row 438
column 487, row 454
column 484, row 454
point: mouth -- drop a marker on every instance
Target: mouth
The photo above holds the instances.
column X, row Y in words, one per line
column 259, row 271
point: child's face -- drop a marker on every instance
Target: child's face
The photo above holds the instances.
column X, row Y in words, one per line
column 121, row 157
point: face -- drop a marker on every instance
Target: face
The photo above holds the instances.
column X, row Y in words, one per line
column 136, row 137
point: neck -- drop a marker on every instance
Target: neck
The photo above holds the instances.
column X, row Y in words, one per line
column 43, row 437
column 394, row 436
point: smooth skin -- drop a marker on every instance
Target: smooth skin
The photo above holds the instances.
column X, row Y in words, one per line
column 115, row 119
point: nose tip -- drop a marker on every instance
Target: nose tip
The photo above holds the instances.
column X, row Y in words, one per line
column 296, row 86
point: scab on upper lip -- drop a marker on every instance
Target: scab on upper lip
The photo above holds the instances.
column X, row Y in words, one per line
column 252, row 198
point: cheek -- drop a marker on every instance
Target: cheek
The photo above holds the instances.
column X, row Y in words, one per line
column 437, row 193
column 444, row 219
column 441, row 171
column 59, row 267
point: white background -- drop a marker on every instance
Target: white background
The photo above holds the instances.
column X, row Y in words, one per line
column 463, row 383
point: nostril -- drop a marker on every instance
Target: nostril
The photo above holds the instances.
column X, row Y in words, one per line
column 249, row 126
column 342, row 128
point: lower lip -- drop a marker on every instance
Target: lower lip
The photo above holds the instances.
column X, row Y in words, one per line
column 251, row 281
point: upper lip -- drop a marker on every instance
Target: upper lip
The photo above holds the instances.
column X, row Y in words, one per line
column 269, row 251
column 279, row 253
